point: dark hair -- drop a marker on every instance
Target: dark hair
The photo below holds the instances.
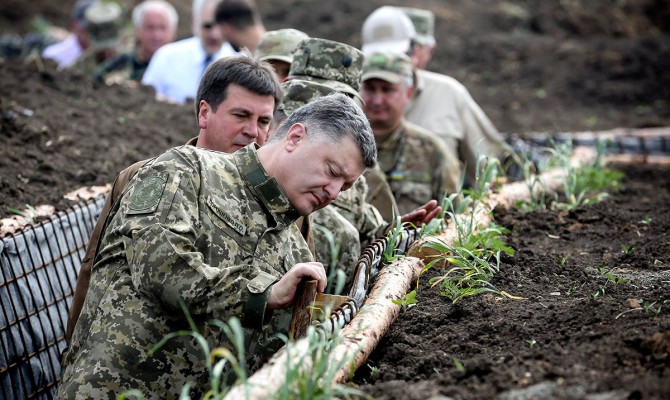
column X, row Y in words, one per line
column 256, row 76
column 240, row 14
column 333, row 117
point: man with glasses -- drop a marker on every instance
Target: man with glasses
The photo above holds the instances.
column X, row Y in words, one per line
column 176, row 68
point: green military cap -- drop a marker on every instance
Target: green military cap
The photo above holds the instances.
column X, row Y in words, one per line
column 387, row 66
column 424, row 24
column 279, row 44
column 298, row 92
column 103, row 24
column 331, row 63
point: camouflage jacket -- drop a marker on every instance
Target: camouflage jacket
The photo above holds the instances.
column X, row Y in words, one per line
column 352, row 204
column 417, row 166
column 337, row 245
column 121, row 68
column 208, row 228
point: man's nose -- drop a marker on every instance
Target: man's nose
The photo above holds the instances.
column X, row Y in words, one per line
column 333, row 188
column 251, row 128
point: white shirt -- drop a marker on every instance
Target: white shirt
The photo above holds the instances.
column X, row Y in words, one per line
column 65, row 53
column 175, row 69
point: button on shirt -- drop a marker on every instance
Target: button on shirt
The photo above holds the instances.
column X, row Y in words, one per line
column 176, row 68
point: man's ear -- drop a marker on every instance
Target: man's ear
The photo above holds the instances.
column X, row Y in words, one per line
column 203, row 114
column 296, row 134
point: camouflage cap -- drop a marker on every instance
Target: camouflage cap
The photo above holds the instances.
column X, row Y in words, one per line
column 387, row 66
column 424, row 24
column 299, row 92
column 103, row 24
column 279, row 44
column 331, row 63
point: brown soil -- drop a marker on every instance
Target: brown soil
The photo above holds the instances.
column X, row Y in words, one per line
column 532, row 66
column 589, row 340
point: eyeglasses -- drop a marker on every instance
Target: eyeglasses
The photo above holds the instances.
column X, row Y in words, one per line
column 208, row 25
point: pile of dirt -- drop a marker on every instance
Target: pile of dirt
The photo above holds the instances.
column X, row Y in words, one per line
column 577, row 335
column 532, row 66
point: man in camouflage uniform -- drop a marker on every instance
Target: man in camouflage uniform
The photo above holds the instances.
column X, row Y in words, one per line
column 103, row 26
column 336, row 241
column 417, row 166
column 276, row 47
column 228, row 89
column 155, row 23
column 216, row 232
column 440, row 103
column 338, row 66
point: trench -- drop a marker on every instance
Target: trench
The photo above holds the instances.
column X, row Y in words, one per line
column 40, row 261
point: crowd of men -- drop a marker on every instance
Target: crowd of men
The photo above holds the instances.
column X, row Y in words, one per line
column 307, row 150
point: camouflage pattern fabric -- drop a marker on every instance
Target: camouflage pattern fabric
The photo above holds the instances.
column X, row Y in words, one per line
column 279, row 44
column 352, row 204
column 298, row 92
column 379, row 194
column 202, row 226
column 417, row 166
column 335, row 64
column 424, row 24
column 123, row 67
column 337, row 244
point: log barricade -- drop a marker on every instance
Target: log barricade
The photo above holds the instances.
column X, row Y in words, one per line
column 39, row 262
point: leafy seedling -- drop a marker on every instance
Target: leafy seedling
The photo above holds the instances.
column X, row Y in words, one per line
column 530, row 342
column 627, row 248
column 406, row 302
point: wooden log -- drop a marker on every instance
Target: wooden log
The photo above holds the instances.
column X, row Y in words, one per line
column 302, row 311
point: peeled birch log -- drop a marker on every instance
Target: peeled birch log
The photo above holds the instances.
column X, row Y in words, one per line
column 360, row 336
column 372, row 322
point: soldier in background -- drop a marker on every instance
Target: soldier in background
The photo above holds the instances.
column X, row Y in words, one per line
column 155, row 24
column 417, row 166
column 67, row 51
column 440, row 103
column 103, row 22
column 276, row 47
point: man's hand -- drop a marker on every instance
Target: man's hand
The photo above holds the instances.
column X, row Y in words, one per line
column 282, row 294
column 423, row 214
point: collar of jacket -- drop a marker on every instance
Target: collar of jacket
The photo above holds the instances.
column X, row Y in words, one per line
column 265, row 188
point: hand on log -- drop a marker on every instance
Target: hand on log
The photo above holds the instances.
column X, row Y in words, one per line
column 282, row 294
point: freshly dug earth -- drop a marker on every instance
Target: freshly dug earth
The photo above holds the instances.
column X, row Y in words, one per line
column 532, row 65
column 577, row 335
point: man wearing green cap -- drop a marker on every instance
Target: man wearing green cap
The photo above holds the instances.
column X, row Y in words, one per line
column 417, row 166
column 276, row 47
column 440, row 103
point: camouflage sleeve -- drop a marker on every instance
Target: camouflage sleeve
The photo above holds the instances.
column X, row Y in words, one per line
column 168, row 247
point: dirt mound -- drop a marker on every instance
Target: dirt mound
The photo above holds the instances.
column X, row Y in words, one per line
column 61, row 131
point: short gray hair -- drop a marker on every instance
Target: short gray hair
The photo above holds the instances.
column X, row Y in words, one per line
column 158, row 5
column 333, row 117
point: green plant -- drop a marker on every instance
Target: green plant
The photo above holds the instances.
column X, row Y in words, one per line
column 315, row 382
column 627, row 248
column 219, row 361
column 561, row 260
column 458, row 365
column 646, row 220
column 530, row 342
column 471, row 262
column 406, row 302
column 29, row 215
column 336, row 279
column 392, row 254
